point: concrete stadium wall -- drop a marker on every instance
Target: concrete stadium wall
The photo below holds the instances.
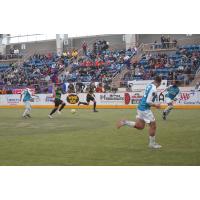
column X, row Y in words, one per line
column 38, row 46
column 150, row 38
column 116, row 41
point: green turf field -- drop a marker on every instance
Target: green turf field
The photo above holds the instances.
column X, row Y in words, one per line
column 88, row 138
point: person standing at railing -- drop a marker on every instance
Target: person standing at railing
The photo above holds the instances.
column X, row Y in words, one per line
column 168, row 40
column 84, row 47
column 174, row 43
column 162, row 39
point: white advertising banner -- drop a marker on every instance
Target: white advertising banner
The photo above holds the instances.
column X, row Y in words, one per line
column 138, row 85
column 186, row 97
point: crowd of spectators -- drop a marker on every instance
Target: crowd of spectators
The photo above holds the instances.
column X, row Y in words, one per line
column 181, row 65
column 99, row 65
column 42, row 70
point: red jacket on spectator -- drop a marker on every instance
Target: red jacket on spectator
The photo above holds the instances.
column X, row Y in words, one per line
column 97, row 63
column 99, row 89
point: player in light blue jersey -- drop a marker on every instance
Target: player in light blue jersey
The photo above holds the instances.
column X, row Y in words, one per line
column 170, row 97
column 27, row 96
column 144, row 113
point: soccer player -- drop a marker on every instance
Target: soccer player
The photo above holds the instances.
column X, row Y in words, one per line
column 90, row 97
column 27, row 96
column 144, row 113
column 172, row 92
column 58, row 102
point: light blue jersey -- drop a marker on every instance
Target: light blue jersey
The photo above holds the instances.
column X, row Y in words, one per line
column 149, row 96
column 27, row 96
column 172, row 92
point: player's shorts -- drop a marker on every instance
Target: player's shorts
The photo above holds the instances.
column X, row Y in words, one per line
column 168, row 100
column 58, row 102
column 89, row 98
column 146, row 115
column 27, row 105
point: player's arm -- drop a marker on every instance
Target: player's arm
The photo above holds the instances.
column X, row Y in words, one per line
column 151, row 96
column 166, row 89
column 21, row 95
column 32, row 94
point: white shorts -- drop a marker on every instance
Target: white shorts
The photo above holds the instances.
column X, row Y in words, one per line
column 27, row 105
column 146, row 115
column 168, row 100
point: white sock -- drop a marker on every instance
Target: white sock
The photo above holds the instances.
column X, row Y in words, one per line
column 129, row 123
column 152, row 139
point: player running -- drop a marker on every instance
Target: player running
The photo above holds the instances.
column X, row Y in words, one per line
column 58, row 102
column 27, row 96
column 170, row 97
column 144, row 113
column 90, row 97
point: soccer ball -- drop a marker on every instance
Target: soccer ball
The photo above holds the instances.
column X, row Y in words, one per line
column 73, row 111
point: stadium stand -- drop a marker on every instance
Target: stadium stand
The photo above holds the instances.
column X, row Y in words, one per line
column 44, row 69
column 101, row 64
column 181, row 65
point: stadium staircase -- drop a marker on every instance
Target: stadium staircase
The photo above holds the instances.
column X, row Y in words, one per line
column 144, row 48
column 196, row 78
column 116, row 80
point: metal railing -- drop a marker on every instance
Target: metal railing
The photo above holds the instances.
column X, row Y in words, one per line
column 159, row 46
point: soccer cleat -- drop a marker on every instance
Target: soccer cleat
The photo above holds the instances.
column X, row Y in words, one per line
column 96, row 111
column 164, row 116
column 120, row 124
column 50, row 116
column 155, row 146
column 28, row 115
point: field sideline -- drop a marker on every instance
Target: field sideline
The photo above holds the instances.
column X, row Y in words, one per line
column 88, row 138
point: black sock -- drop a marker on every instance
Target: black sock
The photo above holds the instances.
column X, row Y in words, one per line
column 63, row 105
column 53, row 111
column 95, row 105
column 84, row 103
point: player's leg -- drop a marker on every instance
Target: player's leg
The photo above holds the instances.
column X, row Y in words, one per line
column 29, row 109
column 167, row 110
column 169, row 107
column 94, row 105
column 138, row 124
column 54, row 109
column 62, row 106
column 26, row 109
column 83, row 103
column 149, row 118
column 152, row 136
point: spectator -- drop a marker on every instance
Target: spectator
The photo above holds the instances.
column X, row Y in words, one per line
column 162, row 39
column 16, row 51
column 100, row 88
column 174, row 43
column 75, row 54
column 84, row 47
column 168, row 42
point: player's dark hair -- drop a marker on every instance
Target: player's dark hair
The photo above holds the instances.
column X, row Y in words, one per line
column 158, row 79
